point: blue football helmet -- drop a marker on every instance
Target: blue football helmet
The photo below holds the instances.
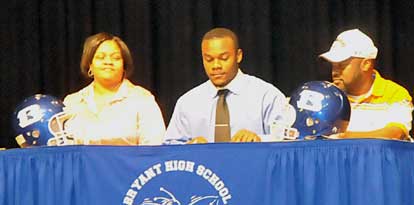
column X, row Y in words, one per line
column 39, row 121
column 315, row 109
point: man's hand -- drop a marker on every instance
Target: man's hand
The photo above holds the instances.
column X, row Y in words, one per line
column 246, row 136
column 337, row 136
column 198, row 140
column 394, row 133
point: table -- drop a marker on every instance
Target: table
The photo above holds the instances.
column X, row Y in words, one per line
column 331, row 172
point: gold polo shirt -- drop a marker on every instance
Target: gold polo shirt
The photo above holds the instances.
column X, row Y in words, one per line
column 388, row 104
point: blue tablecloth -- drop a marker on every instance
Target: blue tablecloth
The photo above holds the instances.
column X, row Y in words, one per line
column 330, row 172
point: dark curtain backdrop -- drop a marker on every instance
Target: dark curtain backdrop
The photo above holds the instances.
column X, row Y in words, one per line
column 41, row 42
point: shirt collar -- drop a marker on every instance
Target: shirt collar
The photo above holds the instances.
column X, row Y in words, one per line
column 377, row 89
column 235, row 86
column 378, row 85
column 87, row 93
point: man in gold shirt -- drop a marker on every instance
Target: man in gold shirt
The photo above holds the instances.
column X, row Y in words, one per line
column 380, row 108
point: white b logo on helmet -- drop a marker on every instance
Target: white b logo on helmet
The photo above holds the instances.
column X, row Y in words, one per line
column 310, row 100
column 29, row 115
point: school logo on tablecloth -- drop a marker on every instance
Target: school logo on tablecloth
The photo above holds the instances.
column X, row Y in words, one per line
column 177, row 182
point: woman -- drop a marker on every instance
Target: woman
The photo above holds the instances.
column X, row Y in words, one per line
column 111, row 110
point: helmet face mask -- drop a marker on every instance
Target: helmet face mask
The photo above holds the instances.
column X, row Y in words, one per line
column 58, row 127
column 38, row 121
column 321, row 109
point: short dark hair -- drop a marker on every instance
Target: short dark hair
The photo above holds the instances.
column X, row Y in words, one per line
column 221, row 33
column 94, row 41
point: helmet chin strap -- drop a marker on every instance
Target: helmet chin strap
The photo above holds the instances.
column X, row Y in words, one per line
column 279, row 132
